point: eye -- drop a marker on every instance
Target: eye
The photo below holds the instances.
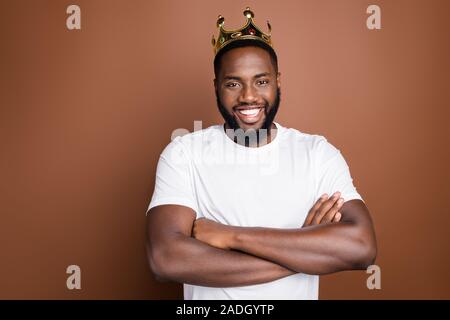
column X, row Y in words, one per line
column 231, row 84
column 263, row 82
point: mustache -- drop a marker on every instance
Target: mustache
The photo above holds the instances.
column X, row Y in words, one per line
column 264, row 104
column 269, row 113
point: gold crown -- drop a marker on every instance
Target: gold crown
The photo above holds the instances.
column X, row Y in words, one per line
column 248, row 31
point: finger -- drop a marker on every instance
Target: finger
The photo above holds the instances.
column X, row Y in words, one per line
column 314, row 209
column 196, row 225
column 319, row 202
column 337, row 217
column 325, row 207
column 328, row 217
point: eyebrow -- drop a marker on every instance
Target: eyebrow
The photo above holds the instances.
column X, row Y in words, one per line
column 259, row 75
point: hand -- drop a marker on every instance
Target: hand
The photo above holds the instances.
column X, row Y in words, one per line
column 213, row 233
column 325, row 210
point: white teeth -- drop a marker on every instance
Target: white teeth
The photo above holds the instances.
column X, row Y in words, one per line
column 250, row 112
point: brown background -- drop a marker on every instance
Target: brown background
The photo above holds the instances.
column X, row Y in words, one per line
column 84, row 115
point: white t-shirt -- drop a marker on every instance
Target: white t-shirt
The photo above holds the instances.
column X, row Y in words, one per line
column 271, row 186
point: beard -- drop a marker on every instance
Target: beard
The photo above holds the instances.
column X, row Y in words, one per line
column 270, row 112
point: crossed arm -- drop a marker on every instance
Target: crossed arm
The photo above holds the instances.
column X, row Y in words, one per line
column 207, row 253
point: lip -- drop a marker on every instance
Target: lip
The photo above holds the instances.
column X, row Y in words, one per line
column 253, row 106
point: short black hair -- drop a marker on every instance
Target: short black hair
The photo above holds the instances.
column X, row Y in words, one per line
column 244, row 43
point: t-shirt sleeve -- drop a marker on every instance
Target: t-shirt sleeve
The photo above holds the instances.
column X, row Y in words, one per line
column 173, row 182
column 333, row 173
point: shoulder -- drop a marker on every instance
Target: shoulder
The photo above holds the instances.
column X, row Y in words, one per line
column 310, row 141
column 185, row 145
column 203, row 135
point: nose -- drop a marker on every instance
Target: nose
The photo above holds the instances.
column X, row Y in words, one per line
column 248, row 95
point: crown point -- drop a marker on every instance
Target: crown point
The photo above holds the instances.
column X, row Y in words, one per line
column 220, row 21
column 248, row 13
column 249, row 30
column 269, row 26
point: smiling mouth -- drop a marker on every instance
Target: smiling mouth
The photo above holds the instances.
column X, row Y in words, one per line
column 249, row 114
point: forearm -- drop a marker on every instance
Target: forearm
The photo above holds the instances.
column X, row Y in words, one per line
column 320, row 249
column 187, row 260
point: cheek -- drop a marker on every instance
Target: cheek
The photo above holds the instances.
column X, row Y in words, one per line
column 229, row 99
column 269, row 95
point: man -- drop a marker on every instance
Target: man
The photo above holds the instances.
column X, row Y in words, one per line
column 251, row 209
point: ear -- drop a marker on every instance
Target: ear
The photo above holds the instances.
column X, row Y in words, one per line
column 278, row 80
